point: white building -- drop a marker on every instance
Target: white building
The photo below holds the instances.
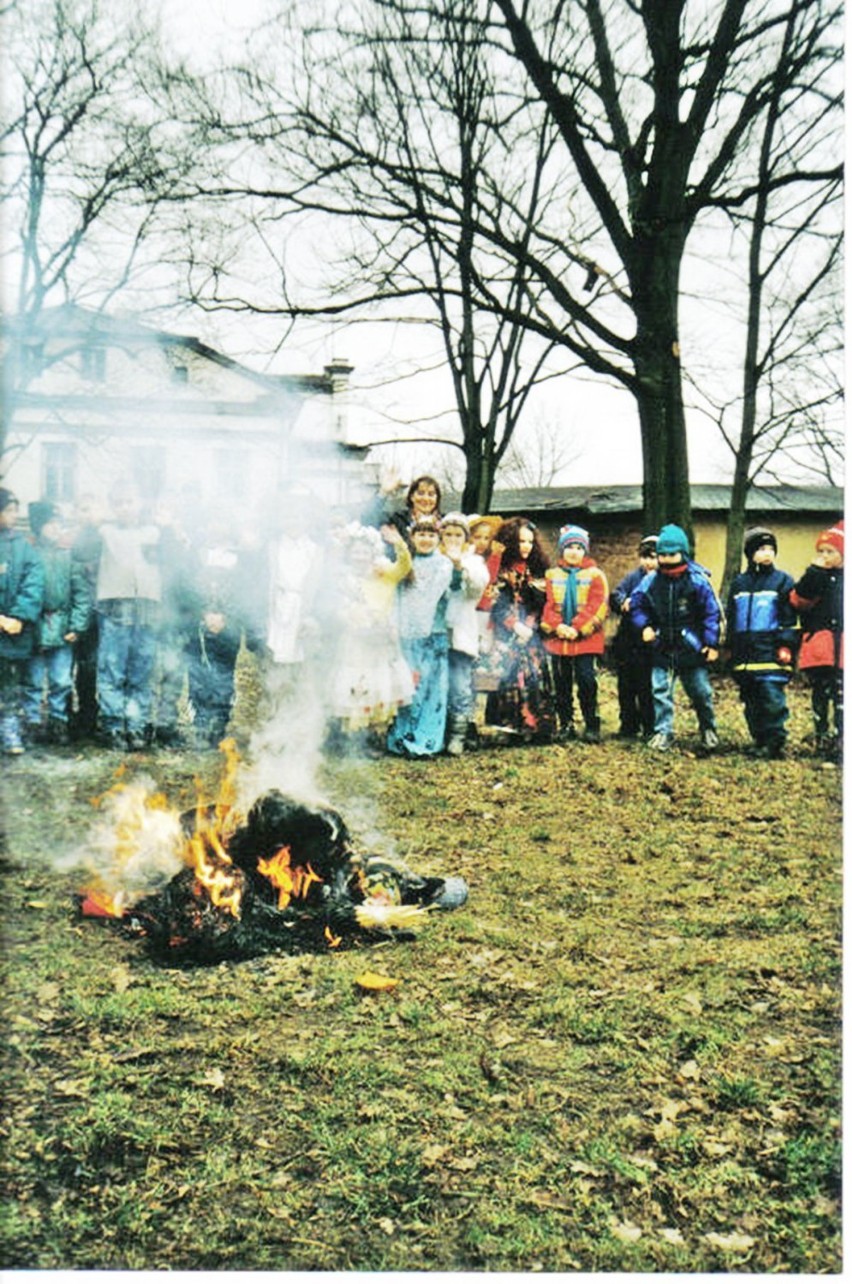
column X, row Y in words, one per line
column 90, row 397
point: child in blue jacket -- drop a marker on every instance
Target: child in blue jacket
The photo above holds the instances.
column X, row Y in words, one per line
column 65, row 613
column 21, row 593
column 679, row 617
column 762, row 638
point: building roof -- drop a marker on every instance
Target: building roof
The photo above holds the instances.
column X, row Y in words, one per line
column 602, row 500
column 70, row 319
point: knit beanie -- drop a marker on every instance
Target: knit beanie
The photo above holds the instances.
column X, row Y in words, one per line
column 833, row 536
column 573, row 535
column 6, row 498
column 755, row 539
column 40, row 513
column 426, row 523
column 648, row 546
column 672, row 539
column 456, row 519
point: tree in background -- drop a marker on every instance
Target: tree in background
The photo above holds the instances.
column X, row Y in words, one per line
column 791, row 220
column 403, row 127
column 92, row 159
column 554, row 167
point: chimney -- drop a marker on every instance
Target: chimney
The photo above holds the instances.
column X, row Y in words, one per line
column 337, row 372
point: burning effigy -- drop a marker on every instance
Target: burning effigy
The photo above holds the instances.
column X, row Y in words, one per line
column 213, row 883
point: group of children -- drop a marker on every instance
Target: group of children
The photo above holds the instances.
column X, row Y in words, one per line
column 97, row 631
column 418, row 613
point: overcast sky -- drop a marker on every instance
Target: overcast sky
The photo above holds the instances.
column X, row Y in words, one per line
column 600, row 422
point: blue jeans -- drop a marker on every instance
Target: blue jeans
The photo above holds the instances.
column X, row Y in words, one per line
column 696, row 684
column 54, row 667
column 462, row 697
column 126, row 655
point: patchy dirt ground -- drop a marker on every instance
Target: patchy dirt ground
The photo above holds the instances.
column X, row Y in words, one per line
column 622, row 1054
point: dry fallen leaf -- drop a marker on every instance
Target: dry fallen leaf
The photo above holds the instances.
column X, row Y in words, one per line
column 375, row 981
column 434, row 1153
column 670, row 1234
column 214, row 1079
column 626, row 1232
column 120, row 977
column 734, row 1242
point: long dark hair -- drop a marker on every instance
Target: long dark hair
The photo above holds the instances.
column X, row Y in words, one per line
column 509, row 534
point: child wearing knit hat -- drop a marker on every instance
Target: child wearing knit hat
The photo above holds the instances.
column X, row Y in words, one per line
column 762, row 638
column 572, row 627
column 679, row 618
column 632, row 658
column 818, row 597
column 21, row 595
column 65, row 614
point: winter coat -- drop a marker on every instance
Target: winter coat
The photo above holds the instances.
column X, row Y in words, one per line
column 129, row 566
column 591, row 592
column 67, row 604
column 467, row 584
column 627, row 642
column 683, row 610
column 21, row 592
column 818, row 597
column 761, row 622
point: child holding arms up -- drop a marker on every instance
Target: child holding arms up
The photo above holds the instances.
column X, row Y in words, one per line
column 419, row 728
column 370, row 680
column 468, row 582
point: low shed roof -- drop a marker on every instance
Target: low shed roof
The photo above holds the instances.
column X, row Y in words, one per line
column 601, row 500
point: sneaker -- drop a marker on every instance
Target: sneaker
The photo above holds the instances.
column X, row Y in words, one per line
column 592, row 736
column 10, row 733
column 660, row 742
column 709, row 739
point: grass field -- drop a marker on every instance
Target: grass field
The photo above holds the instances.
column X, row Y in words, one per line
column 623, row 1054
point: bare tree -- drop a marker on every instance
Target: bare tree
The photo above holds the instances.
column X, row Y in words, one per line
column 91, row 159
column 404, row 127
column 793, row 228
column 593, row 142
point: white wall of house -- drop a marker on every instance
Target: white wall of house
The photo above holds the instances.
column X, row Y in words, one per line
column 113, row 399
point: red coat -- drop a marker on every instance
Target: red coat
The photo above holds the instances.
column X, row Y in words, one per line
column 592, row 605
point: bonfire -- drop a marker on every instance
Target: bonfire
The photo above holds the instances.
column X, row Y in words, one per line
column 213, row 883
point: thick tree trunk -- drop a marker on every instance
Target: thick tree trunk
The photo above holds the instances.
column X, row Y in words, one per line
column 659, row 387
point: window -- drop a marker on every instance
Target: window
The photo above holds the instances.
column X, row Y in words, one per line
column 59, row 467
column 180, row 374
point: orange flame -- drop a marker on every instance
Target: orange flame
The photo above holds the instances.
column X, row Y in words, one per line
column 292, row 881
column 214, row 871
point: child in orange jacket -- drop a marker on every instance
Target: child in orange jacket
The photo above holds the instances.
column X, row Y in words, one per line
column 572, row 623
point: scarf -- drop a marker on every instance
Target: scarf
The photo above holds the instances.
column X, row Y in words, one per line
column 569, row 606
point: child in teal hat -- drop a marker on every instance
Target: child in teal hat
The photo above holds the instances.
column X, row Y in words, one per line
column 679, row 618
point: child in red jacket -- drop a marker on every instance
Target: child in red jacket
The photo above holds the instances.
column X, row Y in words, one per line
column 818, row 597
column 572, row 627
